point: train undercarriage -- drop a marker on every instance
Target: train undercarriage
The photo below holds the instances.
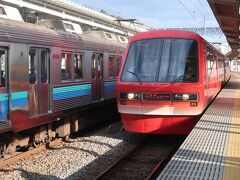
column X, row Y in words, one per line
column 63, row 127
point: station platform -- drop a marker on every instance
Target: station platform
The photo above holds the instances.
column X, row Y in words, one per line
column 212, row 149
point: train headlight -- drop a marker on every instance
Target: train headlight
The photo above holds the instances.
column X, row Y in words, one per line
column 177, row 96
column 185, row 97
column 130, row 96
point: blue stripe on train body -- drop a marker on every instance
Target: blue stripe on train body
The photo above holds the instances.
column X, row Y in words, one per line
column 110, row 86
column 4, row 107
column 19, row 99
column 61, row 93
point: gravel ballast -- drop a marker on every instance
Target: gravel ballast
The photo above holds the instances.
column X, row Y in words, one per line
column 85, row 158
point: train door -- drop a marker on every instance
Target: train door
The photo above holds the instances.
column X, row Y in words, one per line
column 39, row 81
column 4, row 89
column 97, row 76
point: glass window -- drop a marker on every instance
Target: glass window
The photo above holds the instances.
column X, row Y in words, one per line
column 221, row 65
column 210, row 61
column 78, row 66
column 99, row 66
column 32, row 66
column 109, row 36
column 3, row 68
column 2, row 11
column 226, row 63
column 118, row 64
column 226, row 66
column 111, row 73
column 69, row 26
column 94, row 66
column 162, row 60
column 44, row 66
column 66, row 70
column 179, row 61
column 122, row 39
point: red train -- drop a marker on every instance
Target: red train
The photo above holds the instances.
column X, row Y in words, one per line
column 167, row 79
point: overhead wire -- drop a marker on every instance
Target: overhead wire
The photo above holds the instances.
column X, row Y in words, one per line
column 208, row 14
column 189, row 12
column 187, row 9
column 199, row 13
column 196, row 12
column 202, row 10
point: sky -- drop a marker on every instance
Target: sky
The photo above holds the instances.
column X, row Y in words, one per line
column 158, row 13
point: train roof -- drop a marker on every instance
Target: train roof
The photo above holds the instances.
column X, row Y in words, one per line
column 166, row 34
column 21, row 32
column 171, row 34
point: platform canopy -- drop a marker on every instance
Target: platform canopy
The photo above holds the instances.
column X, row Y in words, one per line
column 227, row 15
column 67, row 10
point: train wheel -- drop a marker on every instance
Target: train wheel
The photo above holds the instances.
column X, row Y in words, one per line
column 3, row 150
column 36, row 144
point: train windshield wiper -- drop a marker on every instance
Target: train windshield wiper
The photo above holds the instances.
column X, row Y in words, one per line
column 179, row 77
column 182, row 76
column 136, row 75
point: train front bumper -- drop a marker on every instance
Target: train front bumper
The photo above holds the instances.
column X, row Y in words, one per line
column 165, row 110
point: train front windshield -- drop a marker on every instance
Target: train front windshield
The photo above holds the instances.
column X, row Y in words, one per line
column 161, row 60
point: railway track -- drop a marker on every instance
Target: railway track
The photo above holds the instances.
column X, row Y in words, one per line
column 29, row 153
column 20, row 153
column 9, row 160
column 146, row 160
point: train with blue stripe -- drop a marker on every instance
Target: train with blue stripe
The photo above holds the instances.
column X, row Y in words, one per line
column 45, row 74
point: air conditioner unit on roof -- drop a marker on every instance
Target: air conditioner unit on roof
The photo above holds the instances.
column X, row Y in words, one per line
column 10, row 13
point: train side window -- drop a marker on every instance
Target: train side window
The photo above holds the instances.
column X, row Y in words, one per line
column 2, row 68
column 44, row 65
column 111, row 73
column 99, row 66
column 226, row 65
column 78, row 66
column 32, row 66
column 221, row 65
column 210, row 60
column 118, row 64
column 94, row 66
column 66, row 70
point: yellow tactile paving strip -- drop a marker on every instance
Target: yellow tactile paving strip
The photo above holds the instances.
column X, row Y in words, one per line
column 232, row 157
column 212, row 149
